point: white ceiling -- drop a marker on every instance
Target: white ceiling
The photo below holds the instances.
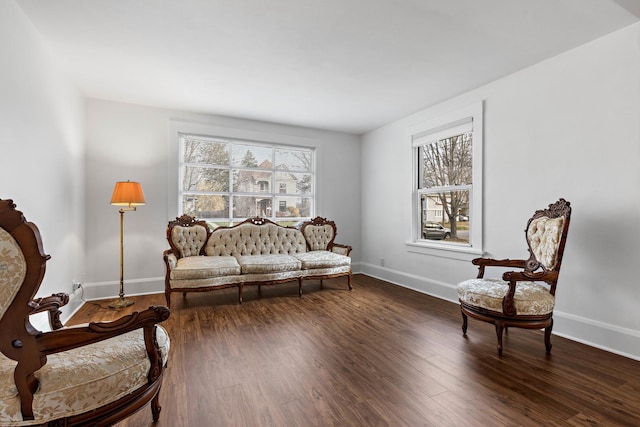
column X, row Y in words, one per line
column 345, row 65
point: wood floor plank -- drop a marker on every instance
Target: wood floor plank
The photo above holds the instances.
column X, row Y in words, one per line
column 380, row 355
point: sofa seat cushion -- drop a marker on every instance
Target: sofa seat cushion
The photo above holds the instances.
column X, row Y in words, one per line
column 322, row 259
column 81, row 379
column 205, row 267
column 268, row 263
column 530, row 299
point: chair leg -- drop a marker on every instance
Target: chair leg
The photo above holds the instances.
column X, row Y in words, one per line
column 547, row 337
column 155, row 407
column 499, row 329
column 465, row 322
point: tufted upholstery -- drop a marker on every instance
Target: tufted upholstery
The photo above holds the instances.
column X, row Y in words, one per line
column 13, row 268
column 252, row 239
column 544, row 235
column 189, row 240
column 255, row 252
column 319, row 236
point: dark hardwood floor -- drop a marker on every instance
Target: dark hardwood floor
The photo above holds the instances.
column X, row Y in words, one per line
column 380, row 355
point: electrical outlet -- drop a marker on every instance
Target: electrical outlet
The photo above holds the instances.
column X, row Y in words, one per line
column 76, row 285
column 382, row 262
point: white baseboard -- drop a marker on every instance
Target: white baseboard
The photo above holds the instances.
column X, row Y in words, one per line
column 611, row 338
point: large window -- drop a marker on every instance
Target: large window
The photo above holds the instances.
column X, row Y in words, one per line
column 447, row 180
column 225, row 181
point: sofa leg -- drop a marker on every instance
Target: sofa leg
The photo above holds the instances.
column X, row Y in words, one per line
column 167, row 296
column 300, row 287
column 240, row 288
column 349, row 282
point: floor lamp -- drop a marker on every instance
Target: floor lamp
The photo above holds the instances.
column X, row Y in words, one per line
column 129, row 194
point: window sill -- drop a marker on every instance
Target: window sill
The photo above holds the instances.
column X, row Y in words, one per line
column 443, row 250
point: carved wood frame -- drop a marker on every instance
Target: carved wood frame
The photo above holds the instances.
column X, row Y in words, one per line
column 22, row 342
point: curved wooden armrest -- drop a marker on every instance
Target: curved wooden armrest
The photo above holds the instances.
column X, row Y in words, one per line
column 513, row 277
column 52, row 305
column 342, row 248
column 489, row 262
column 519, row 276
column 73, row 337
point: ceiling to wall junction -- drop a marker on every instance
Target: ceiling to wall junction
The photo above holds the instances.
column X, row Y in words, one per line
column 344, row 65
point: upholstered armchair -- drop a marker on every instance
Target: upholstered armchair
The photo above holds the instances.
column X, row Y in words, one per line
column 95, row 374
column 524, row 298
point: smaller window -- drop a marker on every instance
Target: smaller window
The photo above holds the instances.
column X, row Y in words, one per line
column 447, row 159
column 282, row 206
column 283, row 188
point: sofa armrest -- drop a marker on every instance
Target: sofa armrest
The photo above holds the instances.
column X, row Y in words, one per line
column 341, row 249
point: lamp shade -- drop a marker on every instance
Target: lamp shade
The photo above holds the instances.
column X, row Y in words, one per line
column 127, row 193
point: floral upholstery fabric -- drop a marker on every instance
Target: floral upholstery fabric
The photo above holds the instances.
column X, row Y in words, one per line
column 544, row 235
column 81, row 379
column 13, row 268
column 203, row 267
column 322, row 259
column 251, row 239
column 530, row 298
column 268, row 263
column 188, row 240
column 318, row 236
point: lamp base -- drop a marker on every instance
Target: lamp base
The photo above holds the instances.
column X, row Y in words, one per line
column 121, row 303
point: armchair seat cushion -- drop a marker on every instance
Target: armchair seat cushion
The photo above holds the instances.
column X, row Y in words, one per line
column 322, row 259
column 205, row 267
column 81, row 379
column 530, row 299
column 272, row 263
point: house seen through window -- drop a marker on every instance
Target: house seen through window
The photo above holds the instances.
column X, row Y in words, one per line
column 225, row 181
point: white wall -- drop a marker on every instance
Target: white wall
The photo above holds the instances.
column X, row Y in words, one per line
column 42, row 140
column 567, row 127
column 126, row 141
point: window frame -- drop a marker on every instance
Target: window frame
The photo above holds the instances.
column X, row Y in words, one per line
column 438, row 128
column 178, row 128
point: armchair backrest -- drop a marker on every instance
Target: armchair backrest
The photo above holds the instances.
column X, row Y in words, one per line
column 13, row 268
column 546, row 234
column 187, row 236
column 319, row 233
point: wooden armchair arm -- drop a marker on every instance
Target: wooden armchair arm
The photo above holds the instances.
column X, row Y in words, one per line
column 73, row 337
column 513, row 277
column 489, row 262
column 341, row 249
column 50, row 304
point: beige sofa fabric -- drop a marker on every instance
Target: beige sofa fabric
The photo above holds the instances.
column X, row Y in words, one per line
column 189, row 240
column 252, row 239
column 322, row 259
column 318, row 236
column 268, row 263
column 203, row 267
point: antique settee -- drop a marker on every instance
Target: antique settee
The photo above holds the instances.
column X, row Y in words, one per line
column 256, row 251
column 95, row 374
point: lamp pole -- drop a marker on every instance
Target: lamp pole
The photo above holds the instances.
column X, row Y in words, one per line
column 121, row 302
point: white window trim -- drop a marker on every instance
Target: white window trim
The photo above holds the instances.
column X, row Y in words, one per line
column 437, row 128
column 177, row 128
